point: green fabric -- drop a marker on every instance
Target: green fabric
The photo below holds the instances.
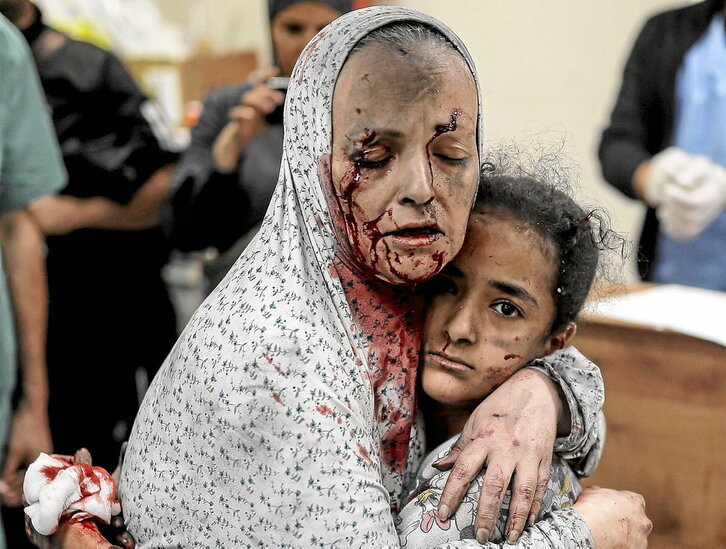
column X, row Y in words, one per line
column 30, row 168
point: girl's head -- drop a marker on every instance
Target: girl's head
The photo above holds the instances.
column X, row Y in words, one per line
column 405, row 150
column 514, row 291
column 294, row 22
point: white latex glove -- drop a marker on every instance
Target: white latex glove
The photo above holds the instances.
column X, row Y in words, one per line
column 692, row 203
column 664, row 168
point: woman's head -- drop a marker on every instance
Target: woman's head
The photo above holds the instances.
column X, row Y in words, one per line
column 513, row 293
column 293, row 23
column 405, row 150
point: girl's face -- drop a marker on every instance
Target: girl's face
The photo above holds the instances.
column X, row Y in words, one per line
column 405, row 158
column 294, row 27
column 492, row 310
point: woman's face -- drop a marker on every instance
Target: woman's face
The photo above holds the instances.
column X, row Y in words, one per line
column 405, row 158
column 492, row 311
column 294, row 27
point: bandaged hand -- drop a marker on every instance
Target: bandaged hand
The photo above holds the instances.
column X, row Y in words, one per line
column 688, row 192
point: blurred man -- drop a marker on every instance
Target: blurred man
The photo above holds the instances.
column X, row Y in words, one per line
column 666, row 144
column 30, row 168
column 109, row 316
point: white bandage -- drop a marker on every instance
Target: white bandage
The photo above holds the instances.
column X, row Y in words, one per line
column 55, row 488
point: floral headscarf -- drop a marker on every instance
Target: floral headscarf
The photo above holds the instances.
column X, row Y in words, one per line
column 285, row 414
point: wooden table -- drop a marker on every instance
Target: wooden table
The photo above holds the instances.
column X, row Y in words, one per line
column 666, row 413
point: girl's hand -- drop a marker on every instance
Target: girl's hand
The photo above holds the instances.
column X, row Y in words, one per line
column 616, row 518
column 511, row 435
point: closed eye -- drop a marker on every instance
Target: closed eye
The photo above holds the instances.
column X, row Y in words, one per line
column 452, row 160
column 373, row 159
column 443, row 285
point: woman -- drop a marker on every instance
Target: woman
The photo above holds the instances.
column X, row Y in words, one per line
column 285, row 415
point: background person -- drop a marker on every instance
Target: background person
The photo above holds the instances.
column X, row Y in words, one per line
column 223, row 183
column 666, row 144
column 30, row 168
column 109, row 312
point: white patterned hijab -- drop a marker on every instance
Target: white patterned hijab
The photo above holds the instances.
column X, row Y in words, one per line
column 294, row 361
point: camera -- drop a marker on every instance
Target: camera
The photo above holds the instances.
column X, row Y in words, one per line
column 279, row 83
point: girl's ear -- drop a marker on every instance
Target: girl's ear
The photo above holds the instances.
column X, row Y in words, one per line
column 561, row 339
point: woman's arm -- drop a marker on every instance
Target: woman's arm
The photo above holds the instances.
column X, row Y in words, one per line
column 582, row 391
column 513, row 432
column 601, row 518
column 419, row 526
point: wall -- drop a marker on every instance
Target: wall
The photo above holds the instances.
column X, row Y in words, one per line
column 221, row 25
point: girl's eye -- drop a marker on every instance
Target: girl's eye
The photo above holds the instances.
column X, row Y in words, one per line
column 507, row 308
column 442, row 285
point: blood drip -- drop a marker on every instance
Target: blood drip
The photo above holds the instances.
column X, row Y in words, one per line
column 391, row 319
column 450, row 126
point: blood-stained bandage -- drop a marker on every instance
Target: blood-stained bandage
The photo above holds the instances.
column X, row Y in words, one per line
column 58, row 490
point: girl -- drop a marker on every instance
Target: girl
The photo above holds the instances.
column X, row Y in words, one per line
column 508, row 299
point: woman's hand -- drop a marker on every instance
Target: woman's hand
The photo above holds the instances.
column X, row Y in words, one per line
column 615, row 518
column 512, row 434
column 246, row 121
column 85, row 534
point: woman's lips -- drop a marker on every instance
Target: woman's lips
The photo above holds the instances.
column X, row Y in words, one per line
column 415, row 236
column 449, row 363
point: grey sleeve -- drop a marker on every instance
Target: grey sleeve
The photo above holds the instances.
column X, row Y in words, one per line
column 202, row 203
column 584, row 390
column 561, row 529
column 557, row 525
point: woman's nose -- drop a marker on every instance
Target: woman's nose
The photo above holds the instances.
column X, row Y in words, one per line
column 417, row 187
column 461, row 325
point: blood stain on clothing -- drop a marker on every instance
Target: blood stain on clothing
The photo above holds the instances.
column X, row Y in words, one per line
column 363, row 452
column 323, row 410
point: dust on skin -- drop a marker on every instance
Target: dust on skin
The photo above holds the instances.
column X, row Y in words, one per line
column 405, row 128
column 393, row 135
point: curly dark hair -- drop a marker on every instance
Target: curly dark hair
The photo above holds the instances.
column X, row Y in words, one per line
column 577, row 235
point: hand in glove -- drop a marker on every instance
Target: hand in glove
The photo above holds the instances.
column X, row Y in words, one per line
column 689, row 192
column 688, row 209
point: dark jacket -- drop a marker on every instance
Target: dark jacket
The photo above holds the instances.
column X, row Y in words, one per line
column 206, row 208
column 641, row 123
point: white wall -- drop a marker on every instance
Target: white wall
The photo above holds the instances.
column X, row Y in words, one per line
column 552, row 69
column 221, row 25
